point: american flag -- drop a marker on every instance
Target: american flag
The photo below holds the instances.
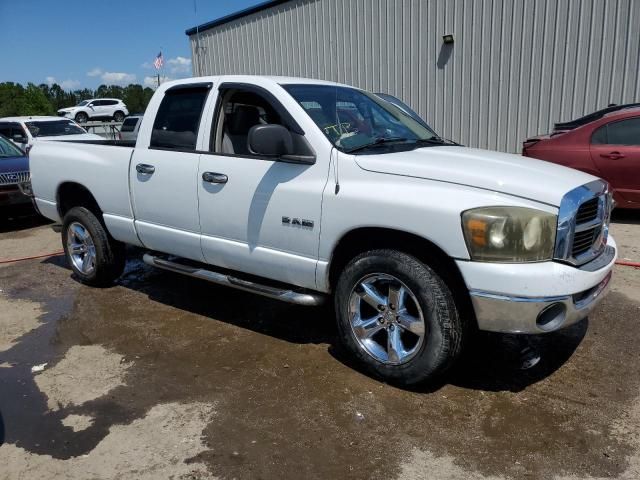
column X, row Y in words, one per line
column 159, row 61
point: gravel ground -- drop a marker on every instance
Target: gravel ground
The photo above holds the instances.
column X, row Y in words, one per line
column 163, row 376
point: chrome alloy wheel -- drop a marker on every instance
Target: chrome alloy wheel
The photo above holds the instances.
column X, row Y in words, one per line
column 80, row 247
column 386, row 318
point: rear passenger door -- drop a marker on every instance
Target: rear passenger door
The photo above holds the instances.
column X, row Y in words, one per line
column 615, row 149
column 164, row 174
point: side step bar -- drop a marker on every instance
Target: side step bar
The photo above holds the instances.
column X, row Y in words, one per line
column 309, row 299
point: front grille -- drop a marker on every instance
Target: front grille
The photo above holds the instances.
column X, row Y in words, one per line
column 588, row 211
column 13, row 178
column 583, row 241
column 583, row 223
column 62, row 114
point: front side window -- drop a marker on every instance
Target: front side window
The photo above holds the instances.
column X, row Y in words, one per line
column 54, row 128
column 355, row 120
column 178, row 118
column 240, row 111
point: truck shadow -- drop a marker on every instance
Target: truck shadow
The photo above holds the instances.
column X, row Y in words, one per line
column 492, row 362
column 626, row 216
column 1, row 430
column 21, row 218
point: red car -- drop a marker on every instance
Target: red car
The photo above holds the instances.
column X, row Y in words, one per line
column 605, row 143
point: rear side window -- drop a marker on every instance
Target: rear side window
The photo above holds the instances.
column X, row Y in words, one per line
column 129, row 124
column 599, row 137
column 5, row 129
column 178, row 118
column 623, row 132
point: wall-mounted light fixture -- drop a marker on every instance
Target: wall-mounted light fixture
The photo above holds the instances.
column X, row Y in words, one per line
column 447, row 38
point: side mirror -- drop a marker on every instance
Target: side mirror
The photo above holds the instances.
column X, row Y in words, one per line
column 273, row 140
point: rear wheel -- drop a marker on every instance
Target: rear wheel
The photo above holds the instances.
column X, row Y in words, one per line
column 95, row 257
column 397, row 317
column 118, row 116
column 81, row 117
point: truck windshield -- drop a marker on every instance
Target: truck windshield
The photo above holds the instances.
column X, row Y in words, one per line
column 8, row 149
column 53, row 128
column 358, row 121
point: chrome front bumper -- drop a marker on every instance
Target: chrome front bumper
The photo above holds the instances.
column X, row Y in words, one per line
column 519, row 314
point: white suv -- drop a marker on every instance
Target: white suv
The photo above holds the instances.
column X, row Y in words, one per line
column 96, row 109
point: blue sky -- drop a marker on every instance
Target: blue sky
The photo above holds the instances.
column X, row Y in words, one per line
column 83, row 43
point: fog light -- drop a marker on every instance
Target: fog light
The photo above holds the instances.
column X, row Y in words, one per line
column 26, row 189
column 552, row 317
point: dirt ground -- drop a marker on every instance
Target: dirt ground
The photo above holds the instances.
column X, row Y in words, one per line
column 164, row 376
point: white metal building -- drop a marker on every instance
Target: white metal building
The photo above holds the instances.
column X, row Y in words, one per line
column 514, row 68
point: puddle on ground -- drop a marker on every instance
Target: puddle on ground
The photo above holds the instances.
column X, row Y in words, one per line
column 288, row 403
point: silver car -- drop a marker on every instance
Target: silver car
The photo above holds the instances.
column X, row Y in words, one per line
column 130, row 127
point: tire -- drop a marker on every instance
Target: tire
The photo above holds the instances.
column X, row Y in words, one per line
column 426, row 348
column 118, row 117
column 94, row 256
column 81, row 117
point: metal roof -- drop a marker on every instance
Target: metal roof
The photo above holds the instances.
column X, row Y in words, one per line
column 234, row 16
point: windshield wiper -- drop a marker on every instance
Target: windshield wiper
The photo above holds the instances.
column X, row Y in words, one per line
column 436, row 141
column 376, row 142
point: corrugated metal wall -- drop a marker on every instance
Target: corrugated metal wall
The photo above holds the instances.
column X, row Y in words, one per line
column 516, row 66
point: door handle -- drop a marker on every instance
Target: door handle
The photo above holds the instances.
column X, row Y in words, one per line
column 212, row 177
column 145, row 169
column 612, row 155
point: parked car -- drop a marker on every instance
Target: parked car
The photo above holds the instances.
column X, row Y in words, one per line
column 605, row 143
column 304, row 191
column 25, row 131
column 129, row 129
column 96, row 109
column 14, row 171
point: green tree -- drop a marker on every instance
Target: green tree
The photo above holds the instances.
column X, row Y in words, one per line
column 35, row 102
column 11, row 99
column 43, row 99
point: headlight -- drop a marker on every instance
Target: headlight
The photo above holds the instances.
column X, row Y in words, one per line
column 509, row 234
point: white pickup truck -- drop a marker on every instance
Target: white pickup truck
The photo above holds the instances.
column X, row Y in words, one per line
column 303, row 190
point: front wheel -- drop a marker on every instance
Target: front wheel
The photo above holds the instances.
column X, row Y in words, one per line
column 95, row 258
column 397, row 317
column 82, row 117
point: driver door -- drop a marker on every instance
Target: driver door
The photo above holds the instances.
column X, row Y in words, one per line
column 258, row 215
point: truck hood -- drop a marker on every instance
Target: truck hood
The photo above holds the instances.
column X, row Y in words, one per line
column 499, row 172
column 14, row 164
